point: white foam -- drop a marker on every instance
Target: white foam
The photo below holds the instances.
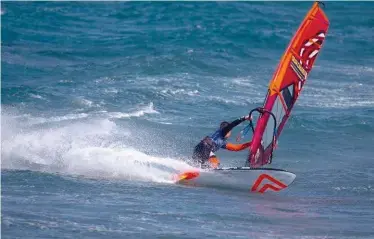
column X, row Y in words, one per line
column 228, row 100
column 41, row 120
column 367, row 188
column 32, row 120
column 84, row 102
column 149, row 109
column 104, row 79
column 65, row 81
column 36, row 96
column 121, row 163
column 93, row 148
column 179, row 92
column 111, row 90
column 247, row 82
column 167, row 123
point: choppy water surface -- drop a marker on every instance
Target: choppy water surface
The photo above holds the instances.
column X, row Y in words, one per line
column 102, row 102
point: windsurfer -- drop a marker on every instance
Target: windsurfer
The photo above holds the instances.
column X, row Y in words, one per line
column 203, row 154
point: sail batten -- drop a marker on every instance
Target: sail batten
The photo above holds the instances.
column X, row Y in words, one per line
column 287, row 83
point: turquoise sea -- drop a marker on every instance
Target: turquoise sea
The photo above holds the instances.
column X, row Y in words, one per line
column 102, row 101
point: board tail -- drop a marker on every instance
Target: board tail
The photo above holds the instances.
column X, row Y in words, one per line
column 287, row 83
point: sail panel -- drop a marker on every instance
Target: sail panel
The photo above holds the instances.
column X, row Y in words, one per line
column 287, row 82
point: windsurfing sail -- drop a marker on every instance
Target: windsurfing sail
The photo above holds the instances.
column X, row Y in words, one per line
column 286, row 84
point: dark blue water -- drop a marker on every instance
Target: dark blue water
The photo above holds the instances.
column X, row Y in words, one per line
column 101, row 102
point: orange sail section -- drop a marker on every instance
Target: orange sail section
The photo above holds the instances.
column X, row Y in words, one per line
column 303, row 49
column 286, row 84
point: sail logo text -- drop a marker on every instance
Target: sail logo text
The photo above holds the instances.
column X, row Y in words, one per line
column 271, row 183
column 298, row 69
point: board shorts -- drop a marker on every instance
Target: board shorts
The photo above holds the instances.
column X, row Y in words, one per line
column 203, row 154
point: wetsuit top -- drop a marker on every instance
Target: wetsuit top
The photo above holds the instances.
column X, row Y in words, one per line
column 218, row 137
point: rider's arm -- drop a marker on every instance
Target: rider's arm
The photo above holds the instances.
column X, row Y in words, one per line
column 237, row 147
column 233, row 125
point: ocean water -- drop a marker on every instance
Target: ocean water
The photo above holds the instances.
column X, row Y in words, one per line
column 102, row 102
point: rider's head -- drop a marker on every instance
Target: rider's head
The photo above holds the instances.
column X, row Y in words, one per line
column 223, row 125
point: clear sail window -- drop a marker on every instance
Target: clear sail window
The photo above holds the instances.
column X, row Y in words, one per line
column 287, row 94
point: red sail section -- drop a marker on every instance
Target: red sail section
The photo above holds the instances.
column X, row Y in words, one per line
column 286, row 84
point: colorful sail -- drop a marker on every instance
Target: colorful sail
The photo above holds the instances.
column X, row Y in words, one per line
column 286, row 84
